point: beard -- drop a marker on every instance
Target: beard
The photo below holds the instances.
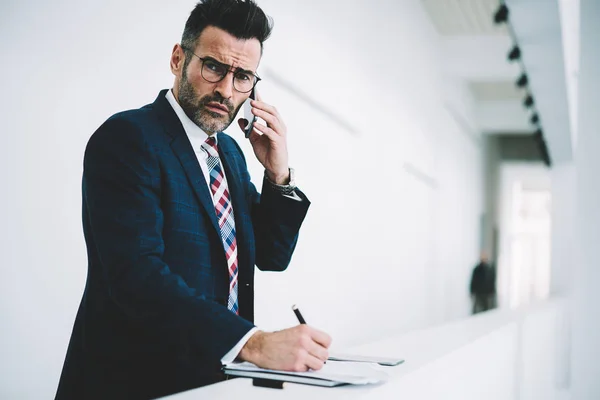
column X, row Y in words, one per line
column 195, row 108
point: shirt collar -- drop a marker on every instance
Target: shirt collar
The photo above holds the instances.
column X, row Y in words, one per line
column 192, row 130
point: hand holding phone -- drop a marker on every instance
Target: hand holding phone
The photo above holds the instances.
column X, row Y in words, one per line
column 266, row 132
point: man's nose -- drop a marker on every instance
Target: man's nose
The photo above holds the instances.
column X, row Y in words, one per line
column 225, row 86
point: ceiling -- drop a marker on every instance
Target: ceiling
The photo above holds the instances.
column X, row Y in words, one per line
column 475, row 49
column 496, row 90
column 464, row 17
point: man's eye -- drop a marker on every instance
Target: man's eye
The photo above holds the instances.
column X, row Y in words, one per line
column 243, row 76
column 214, row 67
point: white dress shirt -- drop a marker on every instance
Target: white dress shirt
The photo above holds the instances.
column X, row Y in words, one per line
column 197, row 137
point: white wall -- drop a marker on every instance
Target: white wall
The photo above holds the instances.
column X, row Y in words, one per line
column 362, row 269
column 585, row 368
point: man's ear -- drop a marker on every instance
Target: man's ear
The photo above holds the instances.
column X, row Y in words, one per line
column 177, row 60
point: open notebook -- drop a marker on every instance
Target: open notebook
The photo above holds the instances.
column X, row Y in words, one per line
column 332, row 374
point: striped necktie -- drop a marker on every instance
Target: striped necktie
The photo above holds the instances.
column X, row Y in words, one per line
column 224, row 210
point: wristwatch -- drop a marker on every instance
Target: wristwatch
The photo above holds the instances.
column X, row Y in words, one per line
column 284, row 189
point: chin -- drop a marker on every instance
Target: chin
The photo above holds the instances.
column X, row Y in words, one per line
column 208, row 119
column 212, row 125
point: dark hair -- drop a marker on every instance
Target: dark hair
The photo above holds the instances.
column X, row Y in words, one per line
column 243, row 19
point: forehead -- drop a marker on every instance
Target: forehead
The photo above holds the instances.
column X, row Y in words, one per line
column 226, row 48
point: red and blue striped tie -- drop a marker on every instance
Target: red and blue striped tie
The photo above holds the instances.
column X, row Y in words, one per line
column 224, row 210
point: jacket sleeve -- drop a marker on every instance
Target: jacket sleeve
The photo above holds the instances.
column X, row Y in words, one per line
column 121, row 189
column 277, row 220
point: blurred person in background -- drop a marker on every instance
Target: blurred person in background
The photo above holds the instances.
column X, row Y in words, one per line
column 483, row 285
column 174, row 227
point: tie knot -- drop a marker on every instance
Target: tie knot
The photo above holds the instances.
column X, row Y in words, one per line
column 210, row 145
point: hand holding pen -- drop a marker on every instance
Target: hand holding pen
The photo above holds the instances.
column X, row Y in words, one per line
column 294, row 349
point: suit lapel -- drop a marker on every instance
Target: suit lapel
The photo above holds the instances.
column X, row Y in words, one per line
column 185, row 153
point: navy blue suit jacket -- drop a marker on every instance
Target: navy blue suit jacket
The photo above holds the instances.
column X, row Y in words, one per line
column 153, row 318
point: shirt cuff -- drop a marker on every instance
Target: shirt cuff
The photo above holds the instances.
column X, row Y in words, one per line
column 233, row 353
column 293, row 196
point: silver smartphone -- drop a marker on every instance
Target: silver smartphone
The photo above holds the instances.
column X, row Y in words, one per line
column 387, row 361
column 251, row 118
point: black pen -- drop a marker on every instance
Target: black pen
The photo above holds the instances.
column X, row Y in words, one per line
column 298, row 315
column 301, row 319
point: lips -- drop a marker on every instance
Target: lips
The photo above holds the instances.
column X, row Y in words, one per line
column 218, row 107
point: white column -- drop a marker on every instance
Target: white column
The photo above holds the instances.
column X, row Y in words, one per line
column 585, row 359
column 563, row 227
column 563, row 248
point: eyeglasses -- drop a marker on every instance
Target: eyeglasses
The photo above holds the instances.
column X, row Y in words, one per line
column 214, row 71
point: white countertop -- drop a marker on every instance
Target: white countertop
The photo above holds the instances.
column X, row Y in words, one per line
column 418, row 348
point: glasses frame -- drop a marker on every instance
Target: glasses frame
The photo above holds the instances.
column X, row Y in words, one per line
column 229, row 69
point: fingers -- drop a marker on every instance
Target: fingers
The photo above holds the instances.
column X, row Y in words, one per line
column 313, row 362
column 318, row 351
column 265, row 130
column 270, row 114
column 314, row 348
column 273, row 121
column 307, row 362
column 254, row 136
column 321, row 337
column 261, row 105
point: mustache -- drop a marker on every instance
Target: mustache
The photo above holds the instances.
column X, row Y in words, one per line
column 216, row 99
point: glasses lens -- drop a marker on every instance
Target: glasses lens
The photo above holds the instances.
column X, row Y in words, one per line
column 243, row 81
column 213, row 71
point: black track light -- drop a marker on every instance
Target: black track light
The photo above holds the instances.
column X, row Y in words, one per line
column 522, row 81
column 528, row 102
column 501, row 15
column 538, row 137
column 535, row 118
column 514, row 54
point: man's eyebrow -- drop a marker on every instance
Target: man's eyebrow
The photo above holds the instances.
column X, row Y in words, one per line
column 238, row 69
column 248, row 71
